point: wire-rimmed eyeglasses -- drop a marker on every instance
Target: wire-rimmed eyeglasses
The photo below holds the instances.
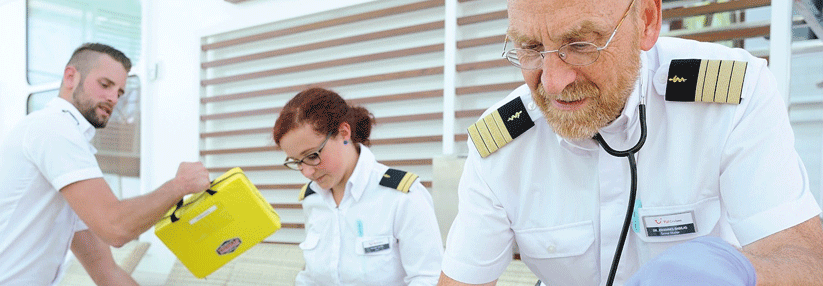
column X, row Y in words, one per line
column 312, row 159
column 576, row 54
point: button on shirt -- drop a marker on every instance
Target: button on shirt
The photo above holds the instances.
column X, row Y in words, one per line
column 377, row 236
column 48, row 150
column 726, row 170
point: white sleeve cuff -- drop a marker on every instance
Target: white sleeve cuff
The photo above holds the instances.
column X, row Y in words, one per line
column 472, row 274
column 76, row 176
column 781, row 217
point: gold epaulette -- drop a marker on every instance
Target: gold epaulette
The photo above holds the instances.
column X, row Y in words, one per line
column 398, row 180
column 500, row 127
column 305, row 192
column 697, row 80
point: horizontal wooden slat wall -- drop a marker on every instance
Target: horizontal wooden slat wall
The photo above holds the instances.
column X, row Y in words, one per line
column 385, row 55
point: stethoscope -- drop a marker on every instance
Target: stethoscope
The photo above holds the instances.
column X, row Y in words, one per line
column 628, row 153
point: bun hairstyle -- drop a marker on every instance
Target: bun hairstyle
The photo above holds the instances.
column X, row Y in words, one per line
column 324, row 110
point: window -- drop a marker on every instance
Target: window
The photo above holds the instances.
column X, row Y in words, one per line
column 54, row 29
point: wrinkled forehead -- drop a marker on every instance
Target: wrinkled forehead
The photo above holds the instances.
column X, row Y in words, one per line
column 556, row 18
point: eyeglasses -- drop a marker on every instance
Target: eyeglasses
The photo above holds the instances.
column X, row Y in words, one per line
column 312, row 159
column 576, row 54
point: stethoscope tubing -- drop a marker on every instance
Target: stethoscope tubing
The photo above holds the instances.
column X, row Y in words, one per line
column 630, row 154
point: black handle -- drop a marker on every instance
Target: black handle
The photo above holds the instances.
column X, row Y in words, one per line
column 174, row 217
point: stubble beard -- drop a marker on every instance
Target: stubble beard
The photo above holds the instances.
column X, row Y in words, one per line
column 87, row 107
column 601, row 109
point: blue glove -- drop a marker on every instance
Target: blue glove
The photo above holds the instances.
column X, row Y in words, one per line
column 705, row 260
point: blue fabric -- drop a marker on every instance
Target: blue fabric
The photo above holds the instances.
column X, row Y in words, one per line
column 702, row 261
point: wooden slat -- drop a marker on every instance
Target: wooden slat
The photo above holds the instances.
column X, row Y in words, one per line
column 329, row 43
column 491, row 16
column 496, row 63
column 324, row 24
column 237, row 150
column 236, row 132
column 735, row 31
column 497, row 39
column 357, row 101
column 469, row 113
column 287, row 206
column 715, row 7
column 401, row 162
column 389, row 119
column 374, row 142
column 227, row 115
column 326, row 64
column 508, row 86
column 396, row 97
column 292, row 225
column 281, row 186
column 328, row 84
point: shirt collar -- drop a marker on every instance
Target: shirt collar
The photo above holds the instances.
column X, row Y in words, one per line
column 64, row 106
column 360, row 176
column 625, row 130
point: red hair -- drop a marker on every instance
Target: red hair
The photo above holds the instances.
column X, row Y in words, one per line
column 324, row 110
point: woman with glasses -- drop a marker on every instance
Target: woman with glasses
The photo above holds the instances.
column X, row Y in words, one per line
column 366, row 223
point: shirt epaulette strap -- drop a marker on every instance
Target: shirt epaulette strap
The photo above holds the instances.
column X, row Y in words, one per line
column 305, row 192
column 399, row 180
column 697, row 80
column 500, row 127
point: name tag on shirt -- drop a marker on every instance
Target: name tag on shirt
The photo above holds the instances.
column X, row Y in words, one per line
column 671, row 224
column 375, row 245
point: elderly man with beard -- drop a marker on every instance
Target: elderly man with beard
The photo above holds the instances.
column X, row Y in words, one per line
column 720, row 195
column 52, row 193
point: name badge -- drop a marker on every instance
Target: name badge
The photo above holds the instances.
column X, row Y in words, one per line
column 375, row 245
column 671, row 224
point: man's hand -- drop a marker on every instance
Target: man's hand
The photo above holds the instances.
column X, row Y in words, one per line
column 191, row 178
column 702, row 261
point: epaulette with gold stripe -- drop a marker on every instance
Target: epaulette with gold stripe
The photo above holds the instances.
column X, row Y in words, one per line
column 305, row 192
column 500, row 127
column 706, row 80
column 398, row 180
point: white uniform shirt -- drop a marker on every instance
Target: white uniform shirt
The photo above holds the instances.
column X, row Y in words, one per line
column 370, row 215
column 46, row 151
column 727, row 170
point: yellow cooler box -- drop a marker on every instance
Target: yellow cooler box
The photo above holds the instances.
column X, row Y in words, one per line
column 208, row 229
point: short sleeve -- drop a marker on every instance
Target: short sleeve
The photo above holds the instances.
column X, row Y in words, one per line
column 62, row 154
column 763, row 182
column 421, row 248
column 479, row 244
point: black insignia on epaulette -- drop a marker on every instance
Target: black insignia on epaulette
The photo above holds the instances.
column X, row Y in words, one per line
column 399, row 180
column 305, row 192
column 500, row 127
column 706, row 80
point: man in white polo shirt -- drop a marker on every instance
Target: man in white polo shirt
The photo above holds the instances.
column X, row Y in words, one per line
column 52, row 193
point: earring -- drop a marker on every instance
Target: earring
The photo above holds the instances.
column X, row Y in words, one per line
column 345, row 142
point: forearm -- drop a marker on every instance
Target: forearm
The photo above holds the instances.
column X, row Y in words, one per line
column 96, row 258
column 447, row 281
column 789, row 265
column 790, row 257
column 136, row 215
column 116, row 276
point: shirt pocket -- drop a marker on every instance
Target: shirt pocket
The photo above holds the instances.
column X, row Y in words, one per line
column 311, row 253
column 662, row 227
column 379, row 259
column 558, row 252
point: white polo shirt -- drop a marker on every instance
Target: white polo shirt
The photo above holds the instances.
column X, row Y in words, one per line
column 727, row 170
column 377, row 236
column 48, row 150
